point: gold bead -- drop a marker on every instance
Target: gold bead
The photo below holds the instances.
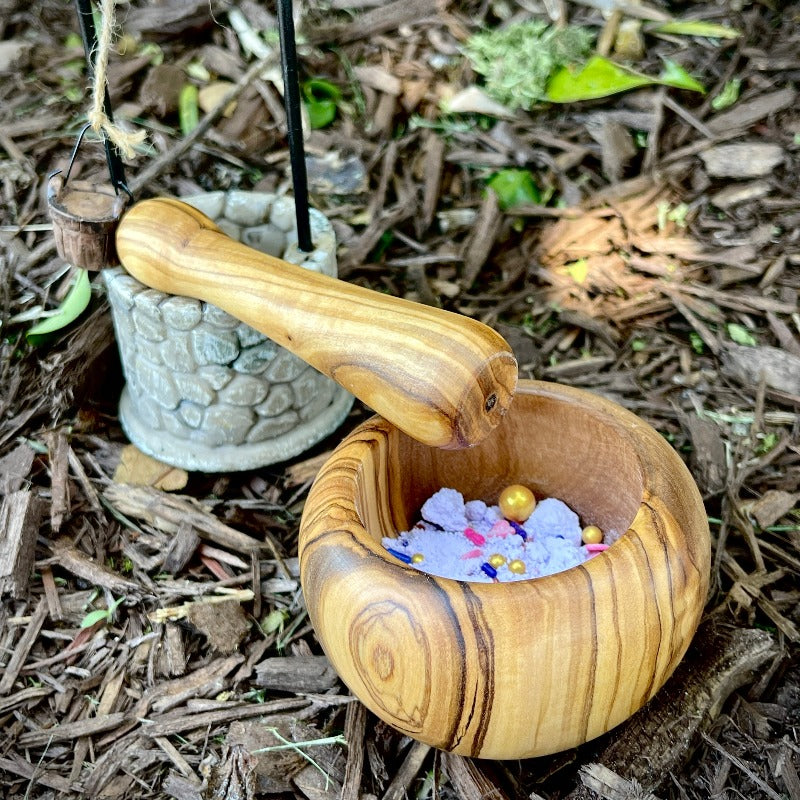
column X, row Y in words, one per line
column 592, row 535
column 517, row 502
column 517, row 567
column 496, row 560
column 417, row 558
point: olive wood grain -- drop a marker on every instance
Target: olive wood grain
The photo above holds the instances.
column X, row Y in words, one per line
column 441, row 377
column 509, row 670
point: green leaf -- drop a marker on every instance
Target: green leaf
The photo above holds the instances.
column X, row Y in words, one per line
column 695, row 27
column 93, row 617
column 728, row 96
column 274, row 621
column 514, row 187
column 188, row 108
column 71, row 308
column 675, row 75
column 741, row 335
column 599, row 77
column 322, row 100
column 697, row 343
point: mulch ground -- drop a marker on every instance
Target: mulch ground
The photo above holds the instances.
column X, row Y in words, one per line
column 662, row 274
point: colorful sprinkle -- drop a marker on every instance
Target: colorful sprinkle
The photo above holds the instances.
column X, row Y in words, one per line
column 417, row 558
column 501, row 528
column 489, row 570
column 497, row 560
column 596, row 548
column 517, row 502
column 475, row 537
column 591, row 534
column 519, row 529
column 517, row 567
column 404, row 557
column 476, row 553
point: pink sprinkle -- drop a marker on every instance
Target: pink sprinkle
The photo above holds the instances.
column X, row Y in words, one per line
column 474, row 536
column 596, row 548
column 472, row 554
column 501, row 528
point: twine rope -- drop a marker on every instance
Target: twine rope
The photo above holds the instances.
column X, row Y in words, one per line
column 124, row 141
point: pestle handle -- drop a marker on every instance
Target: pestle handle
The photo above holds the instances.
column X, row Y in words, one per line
column 442, row 378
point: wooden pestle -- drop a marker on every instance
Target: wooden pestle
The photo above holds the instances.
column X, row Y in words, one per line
column 442, row 378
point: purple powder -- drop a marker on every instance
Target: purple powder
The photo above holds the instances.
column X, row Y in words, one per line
column 553, row 540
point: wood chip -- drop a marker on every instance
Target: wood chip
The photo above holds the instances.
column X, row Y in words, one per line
column 734, row 195
column 23, row 647
column 78, row 563
column 408, row 770
column 378, row 78
column 771, row 506
column 780, row 369
column 296, row 674
column 742, row 160
column 167, row 512
column 748, row 112
column 388, row 17
column 610, row 786
column 355, row 723
column 469, row 780
column 57, row 448
column 182, row 547
column 20, row 514
column 71, row 730
column 479, row 243
column 15, row 467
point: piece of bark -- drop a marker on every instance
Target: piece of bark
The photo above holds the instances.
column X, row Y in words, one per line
column 432, row 165
column 274, row 768
column 71, row 730
column 182, row 547
column 15, row 468
column 172, row 654
column 771, row 506
column 167, row 512
column 168, row 19
column 610, row 786
column 180, row 788
column 468, row 779
column 780, row 369
column 659, row 739
column 296, row 674
column 479, row 243
column 708, row 460
column 204, row 719
column 408, row 770
column 234, row 778
column 78, row 563
column 58, row 448
column 23, row 647
column 355, row 724
column 389, row 17
column 20, row 515
column 746, row 113
column 742, row 160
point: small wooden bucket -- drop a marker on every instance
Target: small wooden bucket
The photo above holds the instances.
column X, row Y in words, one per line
column 509, row 670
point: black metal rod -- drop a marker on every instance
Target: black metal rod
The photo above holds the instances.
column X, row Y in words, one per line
column 116, row 168
column 291, row 100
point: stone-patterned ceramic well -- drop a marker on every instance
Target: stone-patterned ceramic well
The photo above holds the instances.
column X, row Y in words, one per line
column 205, row 391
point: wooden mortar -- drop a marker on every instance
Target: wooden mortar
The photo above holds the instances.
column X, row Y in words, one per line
column 509, row 670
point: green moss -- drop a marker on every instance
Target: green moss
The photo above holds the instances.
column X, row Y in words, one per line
column 517, row 61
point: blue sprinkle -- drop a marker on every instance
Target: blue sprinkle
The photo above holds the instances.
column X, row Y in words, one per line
column 406, row 559
column 519, row 529
column 488, row 569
